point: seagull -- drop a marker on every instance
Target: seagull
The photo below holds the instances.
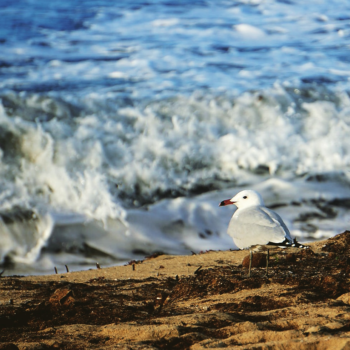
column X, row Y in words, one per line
column 256, row 227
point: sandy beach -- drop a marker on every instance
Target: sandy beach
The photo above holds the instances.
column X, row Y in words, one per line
column 187, row 302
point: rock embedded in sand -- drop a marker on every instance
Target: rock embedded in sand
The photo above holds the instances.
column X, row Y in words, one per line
column 62, row 296
column 259, row 260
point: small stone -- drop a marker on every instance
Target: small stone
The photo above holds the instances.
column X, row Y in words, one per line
column 259, row 260
column 345, row 298
column 334, row 325
column 314, row 329
column 291, row 258
column 62, row 296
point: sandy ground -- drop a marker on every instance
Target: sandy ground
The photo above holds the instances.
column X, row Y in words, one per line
column 203, row 301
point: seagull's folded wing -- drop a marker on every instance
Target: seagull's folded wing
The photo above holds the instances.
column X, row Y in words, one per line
column 257, row 225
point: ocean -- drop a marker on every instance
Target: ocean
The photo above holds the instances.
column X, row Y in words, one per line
column 124, row 124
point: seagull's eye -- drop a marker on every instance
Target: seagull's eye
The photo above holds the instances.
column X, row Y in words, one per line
column 245, row 197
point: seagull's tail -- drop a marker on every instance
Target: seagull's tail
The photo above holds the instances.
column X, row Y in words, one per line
column 287, row 244
column 298, row 245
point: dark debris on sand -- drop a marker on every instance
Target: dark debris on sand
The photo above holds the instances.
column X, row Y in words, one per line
column 311, row 277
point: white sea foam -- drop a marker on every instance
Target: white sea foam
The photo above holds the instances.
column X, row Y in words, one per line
column 249, row 31
column 83, row 173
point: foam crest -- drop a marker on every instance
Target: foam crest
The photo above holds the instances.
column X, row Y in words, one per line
column 178, row 145
column 23, row 235
column 60, row 171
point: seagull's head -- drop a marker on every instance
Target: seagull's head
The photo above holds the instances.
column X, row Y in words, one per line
column 244, row 199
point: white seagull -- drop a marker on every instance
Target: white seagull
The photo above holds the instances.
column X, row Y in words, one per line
column 256, row 227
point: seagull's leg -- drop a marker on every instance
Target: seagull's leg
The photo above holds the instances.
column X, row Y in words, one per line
column 267, row 262
column 250, row 261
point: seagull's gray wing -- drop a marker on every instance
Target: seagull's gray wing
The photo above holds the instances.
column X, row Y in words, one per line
column 278, row 220
column 257, row 226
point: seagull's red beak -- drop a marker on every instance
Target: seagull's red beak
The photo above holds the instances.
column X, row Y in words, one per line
column 226, row 202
